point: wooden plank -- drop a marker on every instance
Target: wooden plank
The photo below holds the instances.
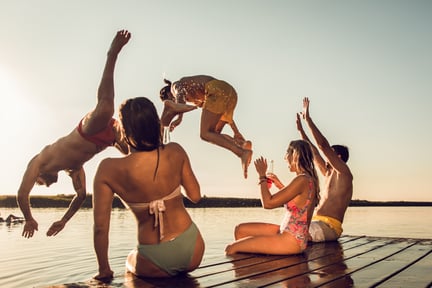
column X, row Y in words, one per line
column 209, row 267
column 254, row 262
column 244, row 272
column 416, row 275
column 384, row 269
column 322, row 250
column 293, row 263
column 358, row 263
column 230, row 265
column 318, row 259
column 219, row 259
column 353, row 260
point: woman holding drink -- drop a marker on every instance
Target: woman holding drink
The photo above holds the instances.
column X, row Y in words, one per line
column 299, row 198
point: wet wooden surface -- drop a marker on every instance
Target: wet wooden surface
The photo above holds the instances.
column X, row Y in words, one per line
column 353, row 261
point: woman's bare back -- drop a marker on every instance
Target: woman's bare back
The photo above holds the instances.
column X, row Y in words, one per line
column 142, row 178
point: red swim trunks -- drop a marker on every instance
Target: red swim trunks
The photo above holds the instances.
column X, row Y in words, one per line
column 104, row 138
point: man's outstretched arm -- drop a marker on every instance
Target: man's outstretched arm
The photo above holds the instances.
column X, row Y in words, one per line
column 106, row 87
column 319, row 161
column 79, row 183
column 101, row 115
column 322, row 142
column 23, row 197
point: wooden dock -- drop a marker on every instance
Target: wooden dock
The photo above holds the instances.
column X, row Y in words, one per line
column 353, row 261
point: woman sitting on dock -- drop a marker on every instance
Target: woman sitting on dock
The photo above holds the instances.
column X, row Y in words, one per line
column 299, row 198
column 148, row 181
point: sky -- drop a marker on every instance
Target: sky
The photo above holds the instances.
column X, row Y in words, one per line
column 365, row 66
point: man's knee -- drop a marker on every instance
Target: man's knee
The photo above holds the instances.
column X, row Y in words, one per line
column 205, row 135
column 239, row 231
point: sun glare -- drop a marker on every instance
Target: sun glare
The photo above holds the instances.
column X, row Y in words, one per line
column 8, row 87
column 11, row 94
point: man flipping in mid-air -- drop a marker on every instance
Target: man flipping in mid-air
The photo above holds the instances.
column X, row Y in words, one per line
column 96, row 131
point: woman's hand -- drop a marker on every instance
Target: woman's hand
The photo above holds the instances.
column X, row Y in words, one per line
column 298, row 122
column 305, row 112
column 275, row 180
column 104, row 276
column 261, row 166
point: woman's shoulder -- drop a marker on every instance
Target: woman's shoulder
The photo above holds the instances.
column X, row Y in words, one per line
column 174, row 150
column 174, row 146
column 110, row 162
column 302, row 179
column 108, row 167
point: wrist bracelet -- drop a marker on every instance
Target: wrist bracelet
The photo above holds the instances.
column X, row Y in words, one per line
column 262, row 181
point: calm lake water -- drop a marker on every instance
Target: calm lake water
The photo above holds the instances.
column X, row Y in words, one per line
column 69, row 256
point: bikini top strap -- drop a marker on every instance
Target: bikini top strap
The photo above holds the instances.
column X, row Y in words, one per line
column 311, row 186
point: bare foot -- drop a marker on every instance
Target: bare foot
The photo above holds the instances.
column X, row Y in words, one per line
column 246, row 159
column 171, row 109
column 228, row 250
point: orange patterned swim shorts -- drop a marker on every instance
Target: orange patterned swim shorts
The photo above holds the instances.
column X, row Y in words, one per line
column 220, row 98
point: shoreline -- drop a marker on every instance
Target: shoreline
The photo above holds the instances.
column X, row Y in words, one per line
column 60, row 201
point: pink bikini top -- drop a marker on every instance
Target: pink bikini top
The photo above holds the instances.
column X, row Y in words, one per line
column 297, row 217
column 103, row 138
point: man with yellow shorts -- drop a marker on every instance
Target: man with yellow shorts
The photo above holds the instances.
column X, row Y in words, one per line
column 326, row 224
column 323, row 228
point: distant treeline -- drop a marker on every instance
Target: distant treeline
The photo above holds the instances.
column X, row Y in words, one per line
column 59, row 201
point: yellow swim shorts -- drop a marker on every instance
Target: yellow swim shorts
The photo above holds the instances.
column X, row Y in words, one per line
column 333, row 223
column 220, row 98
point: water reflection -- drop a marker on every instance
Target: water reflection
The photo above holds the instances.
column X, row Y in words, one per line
column 327, row 262
column 12, row 219
column 287, row 271
column 319, row 264
column 11, row 225
column 131, row 281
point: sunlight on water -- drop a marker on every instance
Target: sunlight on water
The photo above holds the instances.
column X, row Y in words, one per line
column 404, row 222
column 69, row 256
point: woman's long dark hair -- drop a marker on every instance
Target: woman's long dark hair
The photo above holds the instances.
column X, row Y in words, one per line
column 141, row 125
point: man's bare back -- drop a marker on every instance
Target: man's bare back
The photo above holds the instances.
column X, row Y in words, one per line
column 191, row 89
column 67, row 153
column 336, row 195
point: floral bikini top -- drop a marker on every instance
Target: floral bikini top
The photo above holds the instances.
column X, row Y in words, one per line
column 295, row 221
